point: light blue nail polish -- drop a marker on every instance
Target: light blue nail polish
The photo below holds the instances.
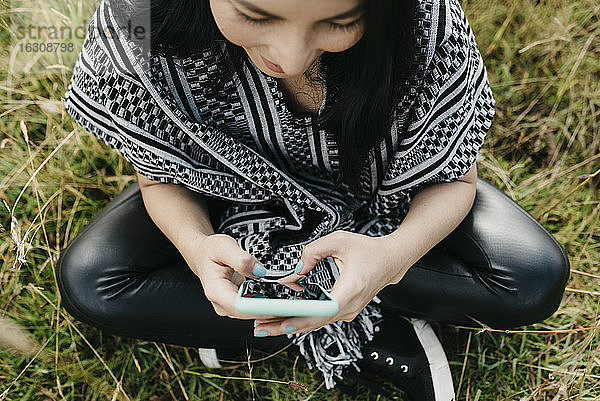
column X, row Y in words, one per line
column 298, row 267
column 256, row 324
column 259, row 270
column 261, row 333
column 289, row 329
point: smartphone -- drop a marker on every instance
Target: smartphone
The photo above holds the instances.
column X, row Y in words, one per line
column 268, row 297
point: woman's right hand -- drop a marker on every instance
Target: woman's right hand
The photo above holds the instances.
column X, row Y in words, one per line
column 221, row 264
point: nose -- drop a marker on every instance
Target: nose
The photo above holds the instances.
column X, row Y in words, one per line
column 293, row 51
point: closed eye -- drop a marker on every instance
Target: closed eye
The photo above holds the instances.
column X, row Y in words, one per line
column 332, row 25
column 251, row 20
column 345, row 27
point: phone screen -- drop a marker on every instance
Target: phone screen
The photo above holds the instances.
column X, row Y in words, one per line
column 325, row 273
column 258, row 289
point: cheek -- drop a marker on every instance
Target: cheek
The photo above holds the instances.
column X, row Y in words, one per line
column 230, row 25
column 339, row 42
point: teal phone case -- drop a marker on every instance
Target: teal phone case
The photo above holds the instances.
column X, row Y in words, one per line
column 285, row 307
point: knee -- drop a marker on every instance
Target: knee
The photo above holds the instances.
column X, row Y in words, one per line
column 538, row 288
column 84, row 282
column 525, row 264
column 69, row 273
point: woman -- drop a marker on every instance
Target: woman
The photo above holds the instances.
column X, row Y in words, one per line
column 268, row 135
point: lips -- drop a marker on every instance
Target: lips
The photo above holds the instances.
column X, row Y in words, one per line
column 272, row 66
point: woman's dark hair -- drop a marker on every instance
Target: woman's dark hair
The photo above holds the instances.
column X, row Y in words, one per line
column 363, row 82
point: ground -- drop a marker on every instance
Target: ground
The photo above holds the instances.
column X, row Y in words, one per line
column 543, row 150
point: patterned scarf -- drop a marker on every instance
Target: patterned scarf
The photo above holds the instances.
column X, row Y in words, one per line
column 150, row 109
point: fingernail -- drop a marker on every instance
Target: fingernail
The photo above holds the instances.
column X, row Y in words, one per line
column 289, row 329
column 256, row 324
column 298, row 267
column 259, row 270
column 261, row 333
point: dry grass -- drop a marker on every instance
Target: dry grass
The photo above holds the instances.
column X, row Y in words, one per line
column 543, row 150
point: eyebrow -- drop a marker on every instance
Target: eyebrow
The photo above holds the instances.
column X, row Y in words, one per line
column 350, row 13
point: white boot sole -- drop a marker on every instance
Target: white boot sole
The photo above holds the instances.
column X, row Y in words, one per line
column 441, row 376
column 208, row 356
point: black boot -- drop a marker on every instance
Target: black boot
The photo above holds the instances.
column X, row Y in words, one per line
column 404, row 354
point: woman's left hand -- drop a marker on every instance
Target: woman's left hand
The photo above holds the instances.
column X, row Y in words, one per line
column 367, row 264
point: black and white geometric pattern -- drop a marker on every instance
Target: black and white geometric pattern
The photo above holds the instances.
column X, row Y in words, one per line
column 242, row 144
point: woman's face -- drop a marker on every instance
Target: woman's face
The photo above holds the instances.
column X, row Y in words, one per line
column 284, row 37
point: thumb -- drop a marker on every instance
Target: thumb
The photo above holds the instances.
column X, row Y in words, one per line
column 229, row 253
column 320, row 248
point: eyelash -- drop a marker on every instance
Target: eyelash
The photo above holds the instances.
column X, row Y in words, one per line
column 332, row 25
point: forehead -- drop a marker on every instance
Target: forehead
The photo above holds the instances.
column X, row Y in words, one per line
column 306, row 10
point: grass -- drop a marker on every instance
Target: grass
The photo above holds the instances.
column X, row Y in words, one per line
column 543, row 150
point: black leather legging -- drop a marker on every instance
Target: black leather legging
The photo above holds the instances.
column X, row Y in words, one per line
column 122, row 274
